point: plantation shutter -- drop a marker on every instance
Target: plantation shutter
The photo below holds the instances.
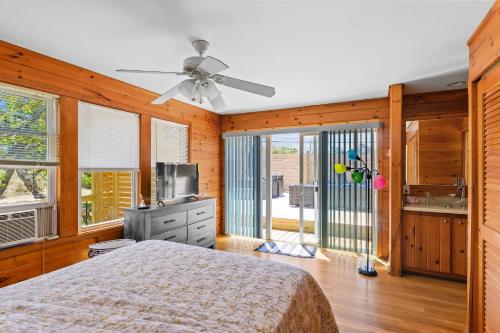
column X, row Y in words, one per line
column 29, row 128
column 107, row 138
column 488, row 103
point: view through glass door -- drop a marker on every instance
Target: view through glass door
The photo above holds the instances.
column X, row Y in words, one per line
column 289, row 165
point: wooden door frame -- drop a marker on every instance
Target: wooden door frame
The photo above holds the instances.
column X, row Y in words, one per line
column 484, row 53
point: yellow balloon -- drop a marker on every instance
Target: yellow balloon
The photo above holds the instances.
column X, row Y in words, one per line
column 340, row 168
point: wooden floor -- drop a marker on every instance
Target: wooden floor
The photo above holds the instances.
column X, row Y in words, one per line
column 292, row 237
column 382, row 304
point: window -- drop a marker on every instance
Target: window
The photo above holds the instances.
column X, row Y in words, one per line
column 108, row 160
column 29, row 154
column 169, row 143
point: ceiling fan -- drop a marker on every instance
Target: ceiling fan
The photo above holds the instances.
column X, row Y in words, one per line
column 203, row 74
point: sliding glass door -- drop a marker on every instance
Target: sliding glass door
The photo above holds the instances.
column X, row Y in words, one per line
column 282, row 186
column 289, row 169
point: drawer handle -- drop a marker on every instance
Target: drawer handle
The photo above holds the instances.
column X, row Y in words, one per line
column 460, row 222
column 170, row 237
column 201, row 227
column 200, row 213
column 201, row 239
column 169, row 221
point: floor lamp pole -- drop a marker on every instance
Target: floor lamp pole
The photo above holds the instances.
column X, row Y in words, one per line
column 368, row 271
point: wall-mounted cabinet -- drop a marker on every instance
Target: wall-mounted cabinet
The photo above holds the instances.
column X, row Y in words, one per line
column 435, row 244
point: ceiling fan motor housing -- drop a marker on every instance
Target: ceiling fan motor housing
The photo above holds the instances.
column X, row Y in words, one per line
column 191, row 64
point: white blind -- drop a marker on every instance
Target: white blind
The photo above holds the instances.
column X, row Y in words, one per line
column 29, row 127
column 107, row 138
column 169, row 142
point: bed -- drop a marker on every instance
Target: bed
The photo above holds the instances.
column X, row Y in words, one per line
column 159, row 286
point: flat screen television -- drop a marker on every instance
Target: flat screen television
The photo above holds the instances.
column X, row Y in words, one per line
column 176, row 180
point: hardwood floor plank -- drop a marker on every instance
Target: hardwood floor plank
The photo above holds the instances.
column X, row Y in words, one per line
column 383, row 304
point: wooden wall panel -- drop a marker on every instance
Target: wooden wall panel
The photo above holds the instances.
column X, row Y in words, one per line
column 24, row 262
column 67, row 183
column 145, row 159
column 321, row 115
column 436, row 105
column 484, row 44
column 396, row 177
column 25, row 68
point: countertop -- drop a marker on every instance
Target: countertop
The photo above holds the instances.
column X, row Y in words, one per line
column 420, row 207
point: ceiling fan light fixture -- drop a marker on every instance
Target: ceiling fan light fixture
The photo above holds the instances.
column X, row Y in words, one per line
column 186, row 88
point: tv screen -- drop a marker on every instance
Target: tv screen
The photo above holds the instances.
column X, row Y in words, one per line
column 176, row 180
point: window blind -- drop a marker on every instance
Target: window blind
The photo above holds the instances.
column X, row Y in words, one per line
column 107, row 138
column 346, row 221
column 29, row 127
column 169, row 142
column 242, row 186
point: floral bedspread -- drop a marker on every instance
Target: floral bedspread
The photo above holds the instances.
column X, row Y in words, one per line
column 159, row 286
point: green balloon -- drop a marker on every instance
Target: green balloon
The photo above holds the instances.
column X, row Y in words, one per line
column 357, row 177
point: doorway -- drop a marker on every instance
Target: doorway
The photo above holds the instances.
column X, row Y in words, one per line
column 290, row 167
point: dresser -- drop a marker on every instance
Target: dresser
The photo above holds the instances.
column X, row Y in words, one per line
column 189, row 221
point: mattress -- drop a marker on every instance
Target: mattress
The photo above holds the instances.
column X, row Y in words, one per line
column 159, row 286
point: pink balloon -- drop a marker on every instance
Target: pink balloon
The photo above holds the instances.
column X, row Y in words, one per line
column 379, row 182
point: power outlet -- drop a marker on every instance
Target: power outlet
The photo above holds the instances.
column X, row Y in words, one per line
column 406, row 189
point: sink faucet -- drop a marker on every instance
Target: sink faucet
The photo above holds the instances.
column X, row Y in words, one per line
column 428, row 198
column 462, row 190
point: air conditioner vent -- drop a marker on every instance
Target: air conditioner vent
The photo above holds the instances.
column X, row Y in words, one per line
column 18, row 227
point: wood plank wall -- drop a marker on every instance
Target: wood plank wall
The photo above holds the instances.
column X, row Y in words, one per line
column 396, row 167
column 22, row 67
column 327, row 114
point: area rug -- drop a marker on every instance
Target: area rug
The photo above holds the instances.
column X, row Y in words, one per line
column 288, row 249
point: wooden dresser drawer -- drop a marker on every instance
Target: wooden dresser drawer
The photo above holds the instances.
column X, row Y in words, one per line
column 199, row 214
column 178, row 235
column 202, row 227
column 163, row 223
column 205, row 239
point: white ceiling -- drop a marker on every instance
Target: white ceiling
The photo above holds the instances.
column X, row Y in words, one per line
column 313, row 52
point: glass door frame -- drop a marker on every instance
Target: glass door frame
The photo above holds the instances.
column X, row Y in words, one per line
column 316, row 201
column 266, row 211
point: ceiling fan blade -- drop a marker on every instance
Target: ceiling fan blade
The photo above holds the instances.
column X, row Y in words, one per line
column 218, row 103
column 170, row 93
column 212, row 66
column 140, row 71
column 250, row 87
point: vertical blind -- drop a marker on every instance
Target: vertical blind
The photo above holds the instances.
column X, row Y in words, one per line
column 107, row 138
column 242, row 185
column 169, row 142
column 347, row 221
column 29, row 127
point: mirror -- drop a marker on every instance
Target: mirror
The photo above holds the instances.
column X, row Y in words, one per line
column 436, row 151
